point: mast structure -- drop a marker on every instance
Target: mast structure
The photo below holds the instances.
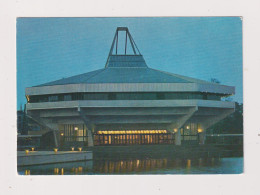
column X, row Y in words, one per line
column 129, row 37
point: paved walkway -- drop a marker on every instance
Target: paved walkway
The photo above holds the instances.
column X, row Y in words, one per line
column 45, row 157
column 33, row 153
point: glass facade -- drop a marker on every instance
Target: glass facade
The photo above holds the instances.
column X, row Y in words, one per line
column 72, row 133
column 189, row 132
column 133, row 137
column 124, row 96
column 78, row 133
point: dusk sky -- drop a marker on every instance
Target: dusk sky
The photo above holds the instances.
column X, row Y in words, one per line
column 201, row 47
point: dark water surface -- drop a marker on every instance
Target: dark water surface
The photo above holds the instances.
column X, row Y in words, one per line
column 139, row 166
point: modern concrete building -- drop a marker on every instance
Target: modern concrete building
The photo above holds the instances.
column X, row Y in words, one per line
column 126, row 102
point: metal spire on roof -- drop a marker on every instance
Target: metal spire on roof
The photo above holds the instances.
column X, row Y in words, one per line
column 129, row 37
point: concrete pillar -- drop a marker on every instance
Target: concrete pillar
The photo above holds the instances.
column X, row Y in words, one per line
column 90, row 138
column 202, row 137
column 178, row 137
column 55, row 138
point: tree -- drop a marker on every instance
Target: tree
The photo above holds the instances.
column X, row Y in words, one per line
column 214, row 80
column 233, row 124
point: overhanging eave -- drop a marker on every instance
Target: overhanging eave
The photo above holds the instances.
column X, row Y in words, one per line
column 131, row 87
column 129, row 103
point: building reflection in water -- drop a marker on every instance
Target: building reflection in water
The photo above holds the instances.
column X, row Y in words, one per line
column 27, row 172
column 188, row 163
column 121, row 166
column 128, row 166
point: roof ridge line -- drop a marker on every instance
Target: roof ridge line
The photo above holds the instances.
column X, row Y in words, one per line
column 95, row 74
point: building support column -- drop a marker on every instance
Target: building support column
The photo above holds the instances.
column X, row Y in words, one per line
column 211, row 121
column 215, row 119
column 89, row 127
column 202, row 137
column 175, row 127
column 45, row 123
column 90, row 137
column 177, row 137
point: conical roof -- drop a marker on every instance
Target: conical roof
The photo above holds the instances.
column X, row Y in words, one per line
column 125, row 75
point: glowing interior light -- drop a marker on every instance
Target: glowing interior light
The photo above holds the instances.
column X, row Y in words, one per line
column 56, row 171
column 131, row 132
column 62, row 134
column 26, row 152
column 32, row 149
column 188, row 163
column 76, row 128
column 175, row 130
column 72, row 148
column 80, row 149
column 80, row 169
column 188, row 127
column 200, row 130
column 27, row 172
column 55, row 150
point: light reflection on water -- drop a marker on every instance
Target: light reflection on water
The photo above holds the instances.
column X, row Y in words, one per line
column 139, row 166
